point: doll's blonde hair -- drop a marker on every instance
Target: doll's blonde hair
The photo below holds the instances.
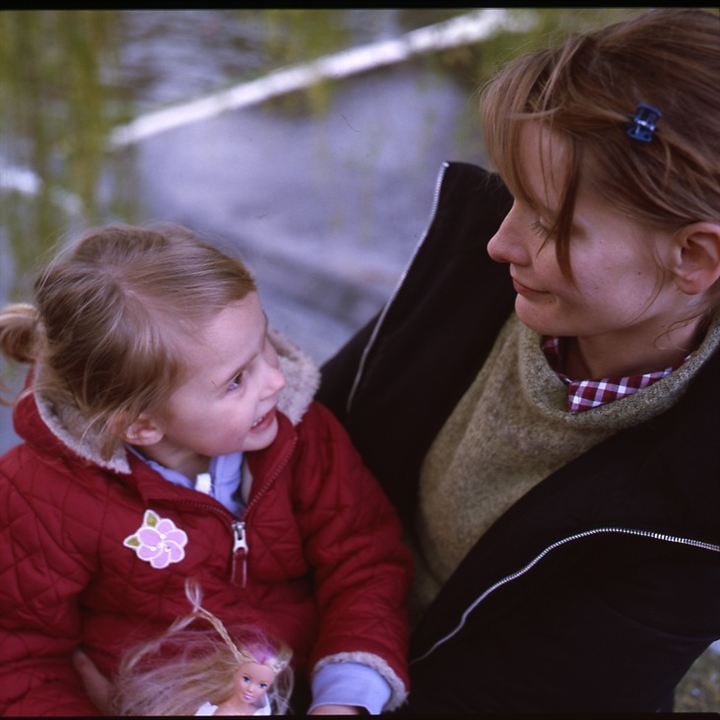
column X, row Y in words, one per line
column 111, row 314
column 178, row 671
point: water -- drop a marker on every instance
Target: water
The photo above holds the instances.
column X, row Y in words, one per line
column 325, row 192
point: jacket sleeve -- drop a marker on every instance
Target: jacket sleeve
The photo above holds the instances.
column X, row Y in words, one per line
column 353, row 540
column 39, row 617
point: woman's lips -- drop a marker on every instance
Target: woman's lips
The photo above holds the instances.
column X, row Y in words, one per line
column 522, row 289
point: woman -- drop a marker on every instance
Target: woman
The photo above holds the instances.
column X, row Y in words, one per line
column 539, row 397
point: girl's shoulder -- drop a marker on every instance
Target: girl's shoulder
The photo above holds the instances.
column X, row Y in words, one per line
column 319, row 427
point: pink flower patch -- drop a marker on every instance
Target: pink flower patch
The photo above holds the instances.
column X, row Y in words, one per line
column 157, row 541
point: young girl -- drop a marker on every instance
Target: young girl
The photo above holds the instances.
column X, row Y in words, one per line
column 552, row 443
column 243, row 674
column 168, row 434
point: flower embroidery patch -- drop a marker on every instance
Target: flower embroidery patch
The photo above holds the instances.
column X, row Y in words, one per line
column 157, row 541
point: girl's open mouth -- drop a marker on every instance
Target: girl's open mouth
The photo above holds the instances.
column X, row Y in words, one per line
column 262, row 422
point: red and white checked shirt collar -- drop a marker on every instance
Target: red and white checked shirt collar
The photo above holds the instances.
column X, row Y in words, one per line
column 587, row 394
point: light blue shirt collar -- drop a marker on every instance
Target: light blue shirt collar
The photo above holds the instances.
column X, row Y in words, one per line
column 225, row 473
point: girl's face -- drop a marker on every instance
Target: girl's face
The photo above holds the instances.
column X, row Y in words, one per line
column 253, row 682
column 229, row 399
column 620, row 301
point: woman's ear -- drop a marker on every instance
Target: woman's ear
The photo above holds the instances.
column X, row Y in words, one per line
column 143, row 431
column 696, row 257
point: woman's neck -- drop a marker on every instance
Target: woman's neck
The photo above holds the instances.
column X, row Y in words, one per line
column 599, row 357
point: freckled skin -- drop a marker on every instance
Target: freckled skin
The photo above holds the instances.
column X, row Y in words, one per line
column 621, row 310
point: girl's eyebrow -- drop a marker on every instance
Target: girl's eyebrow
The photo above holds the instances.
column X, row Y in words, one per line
column 236, row 372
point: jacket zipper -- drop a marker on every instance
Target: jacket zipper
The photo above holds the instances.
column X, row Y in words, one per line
column 578, row 536
column 241, row 547
column 240, row 550
column 386, row 308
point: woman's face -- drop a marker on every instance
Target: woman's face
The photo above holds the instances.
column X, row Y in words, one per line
column 620, row 296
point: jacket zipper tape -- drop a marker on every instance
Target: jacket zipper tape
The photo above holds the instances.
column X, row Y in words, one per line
column 386, row 308
column 241, row 547
column 578, row 536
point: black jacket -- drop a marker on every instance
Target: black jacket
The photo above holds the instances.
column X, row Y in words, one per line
column 597, row 589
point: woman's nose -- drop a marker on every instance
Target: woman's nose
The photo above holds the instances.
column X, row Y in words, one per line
column 509, row 243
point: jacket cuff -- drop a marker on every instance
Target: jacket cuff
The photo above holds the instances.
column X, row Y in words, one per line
column 398, row 691
column 350, row 683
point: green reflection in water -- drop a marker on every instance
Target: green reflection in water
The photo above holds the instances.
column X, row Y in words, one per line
column 56, row 116
column 295, row 36
column 63, row 88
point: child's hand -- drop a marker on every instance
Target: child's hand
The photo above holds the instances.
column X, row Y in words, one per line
column 97, row 686
column 335, row 710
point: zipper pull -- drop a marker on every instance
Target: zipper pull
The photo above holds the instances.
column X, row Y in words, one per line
column 240, row 549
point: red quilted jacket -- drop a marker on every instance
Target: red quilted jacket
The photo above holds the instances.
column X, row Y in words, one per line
column 325, row 570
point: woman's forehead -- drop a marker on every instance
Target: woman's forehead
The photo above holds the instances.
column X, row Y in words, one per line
column 541, row 165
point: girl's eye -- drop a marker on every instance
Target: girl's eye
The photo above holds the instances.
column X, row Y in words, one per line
column 263, row 686
column 236, row 382
column 245, row 678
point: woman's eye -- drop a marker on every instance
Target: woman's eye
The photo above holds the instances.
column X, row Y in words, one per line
column 542, row 230
column 263, row 686
column 245, row 678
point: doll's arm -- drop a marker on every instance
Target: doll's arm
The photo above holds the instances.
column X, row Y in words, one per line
column 39, row 619
column 97, row 686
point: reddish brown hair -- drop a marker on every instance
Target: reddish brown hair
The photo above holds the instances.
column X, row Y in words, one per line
column 586, row 90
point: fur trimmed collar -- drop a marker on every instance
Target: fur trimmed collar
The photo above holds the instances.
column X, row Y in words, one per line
column 302, row 378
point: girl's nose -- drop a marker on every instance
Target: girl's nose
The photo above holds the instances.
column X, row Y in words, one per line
column 274, row 378
column 509, row 243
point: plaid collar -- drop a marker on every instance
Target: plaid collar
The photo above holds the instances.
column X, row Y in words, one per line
column 586, row 394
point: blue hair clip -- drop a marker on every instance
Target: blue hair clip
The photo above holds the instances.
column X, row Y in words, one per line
column 643, row 123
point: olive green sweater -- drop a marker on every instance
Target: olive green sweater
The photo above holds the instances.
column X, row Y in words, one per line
column 510, row 430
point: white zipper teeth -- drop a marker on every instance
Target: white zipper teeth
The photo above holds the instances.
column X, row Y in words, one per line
column 378, row 325
column 513, row 576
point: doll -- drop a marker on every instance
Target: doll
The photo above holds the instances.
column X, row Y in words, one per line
column 204, row 672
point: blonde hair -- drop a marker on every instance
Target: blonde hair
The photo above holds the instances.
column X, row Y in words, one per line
column 175, row 673
column 587, row 89
column 111, row 313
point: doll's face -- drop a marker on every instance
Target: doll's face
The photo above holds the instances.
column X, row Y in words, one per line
column 253, row 681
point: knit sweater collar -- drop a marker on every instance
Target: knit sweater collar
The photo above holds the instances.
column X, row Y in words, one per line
column 547, row 391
